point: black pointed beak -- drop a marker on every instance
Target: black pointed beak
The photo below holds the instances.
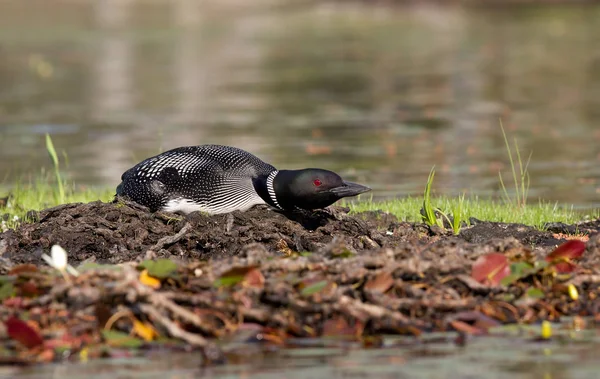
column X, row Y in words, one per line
column 349, row 189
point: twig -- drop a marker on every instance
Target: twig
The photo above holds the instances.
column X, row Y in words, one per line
column 160, row 301
column 169, row 240
column 173, row 329
column 364, row 312
column 580, row 279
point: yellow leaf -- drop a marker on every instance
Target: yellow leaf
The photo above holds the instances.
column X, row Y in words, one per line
column 546, row 329
column 83, row 354
column 148, row 280
column 144, row 330
column 573, row 292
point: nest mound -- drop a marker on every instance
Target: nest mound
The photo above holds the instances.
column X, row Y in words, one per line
column 303, row 274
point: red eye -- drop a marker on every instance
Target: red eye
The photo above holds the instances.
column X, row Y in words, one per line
column 317, row 182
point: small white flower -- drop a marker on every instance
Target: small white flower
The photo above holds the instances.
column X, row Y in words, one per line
column 59, row 260
column 59, row 257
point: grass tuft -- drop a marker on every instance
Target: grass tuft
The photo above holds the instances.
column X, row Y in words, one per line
column 522, row 180
column 436, row 216
column 429, row 215
column 40, row 193
column 44, row 191
column 458, row 214
column 536, row 215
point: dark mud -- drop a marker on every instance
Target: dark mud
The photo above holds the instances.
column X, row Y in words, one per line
column 123, row 232
column 302, row 274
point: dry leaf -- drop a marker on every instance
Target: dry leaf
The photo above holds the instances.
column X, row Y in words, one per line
column 254, row 278
column 149, row 280
column 380, row 282
column 564, row 254
column 144, row 330
column 22, row 332
column 490, row 269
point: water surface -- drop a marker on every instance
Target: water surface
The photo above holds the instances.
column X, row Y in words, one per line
column 494, row 357
column 378, row 93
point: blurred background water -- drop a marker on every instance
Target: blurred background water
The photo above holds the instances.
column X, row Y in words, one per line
column 378, row 91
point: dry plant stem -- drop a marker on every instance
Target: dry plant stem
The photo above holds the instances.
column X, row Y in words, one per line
column 581, row 279
column 160, row 301
column 438, row 305
column 365, row 312
column 115, row 317
column 173, row 329
column 169, row 240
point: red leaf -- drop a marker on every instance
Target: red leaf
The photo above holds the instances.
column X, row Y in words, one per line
column 462, row 326
column 235, row 275
column 338, row 326
column 20, row 331
column 473, row 322
column 46, row 356
column 380, row 283
column 571, row 249
column 30, row 289
column 561, row 256
column 16, row 270
column 254, row 278
column 565, row 267
column 14, row 302
column 490, row 269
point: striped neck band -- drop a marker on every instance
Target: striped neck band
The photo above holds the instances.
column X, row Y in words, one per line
column 271, row 190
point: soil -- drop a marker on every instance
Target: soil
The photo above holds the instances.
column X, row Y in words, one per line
column 304, row 274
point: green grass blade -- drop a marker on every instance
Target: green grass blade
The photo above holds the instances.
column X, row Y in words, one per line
column 510, row 157
column 55, row 162
column 507, row 199
column 429, row 216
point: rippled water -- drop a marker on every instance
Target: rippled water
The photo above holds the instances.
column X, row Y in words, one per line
column 574, row 357
column 378, row 93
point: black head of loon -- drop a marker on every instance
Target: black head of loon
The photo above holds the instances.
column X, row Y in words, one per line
column 310, row 188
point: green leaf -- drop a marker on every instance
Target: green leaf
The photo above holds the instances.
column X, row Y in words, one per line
column 535, row 293
column 161, row 268
column 510, row 279
column 314, row 288
column 7, row 290
column 228, row 281
column 87, row 266
column 233, row 276
column 345, row 253
column 520, row 268
column 119, row 339
column 291, row 278
column 540, row 265
column 508, row 297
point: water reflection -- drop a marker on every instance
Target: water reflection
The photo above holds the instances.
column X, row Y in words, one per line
column 378, row 93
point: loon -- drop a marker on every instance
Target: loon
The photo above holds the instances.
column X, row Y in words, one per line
column 219, row 179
